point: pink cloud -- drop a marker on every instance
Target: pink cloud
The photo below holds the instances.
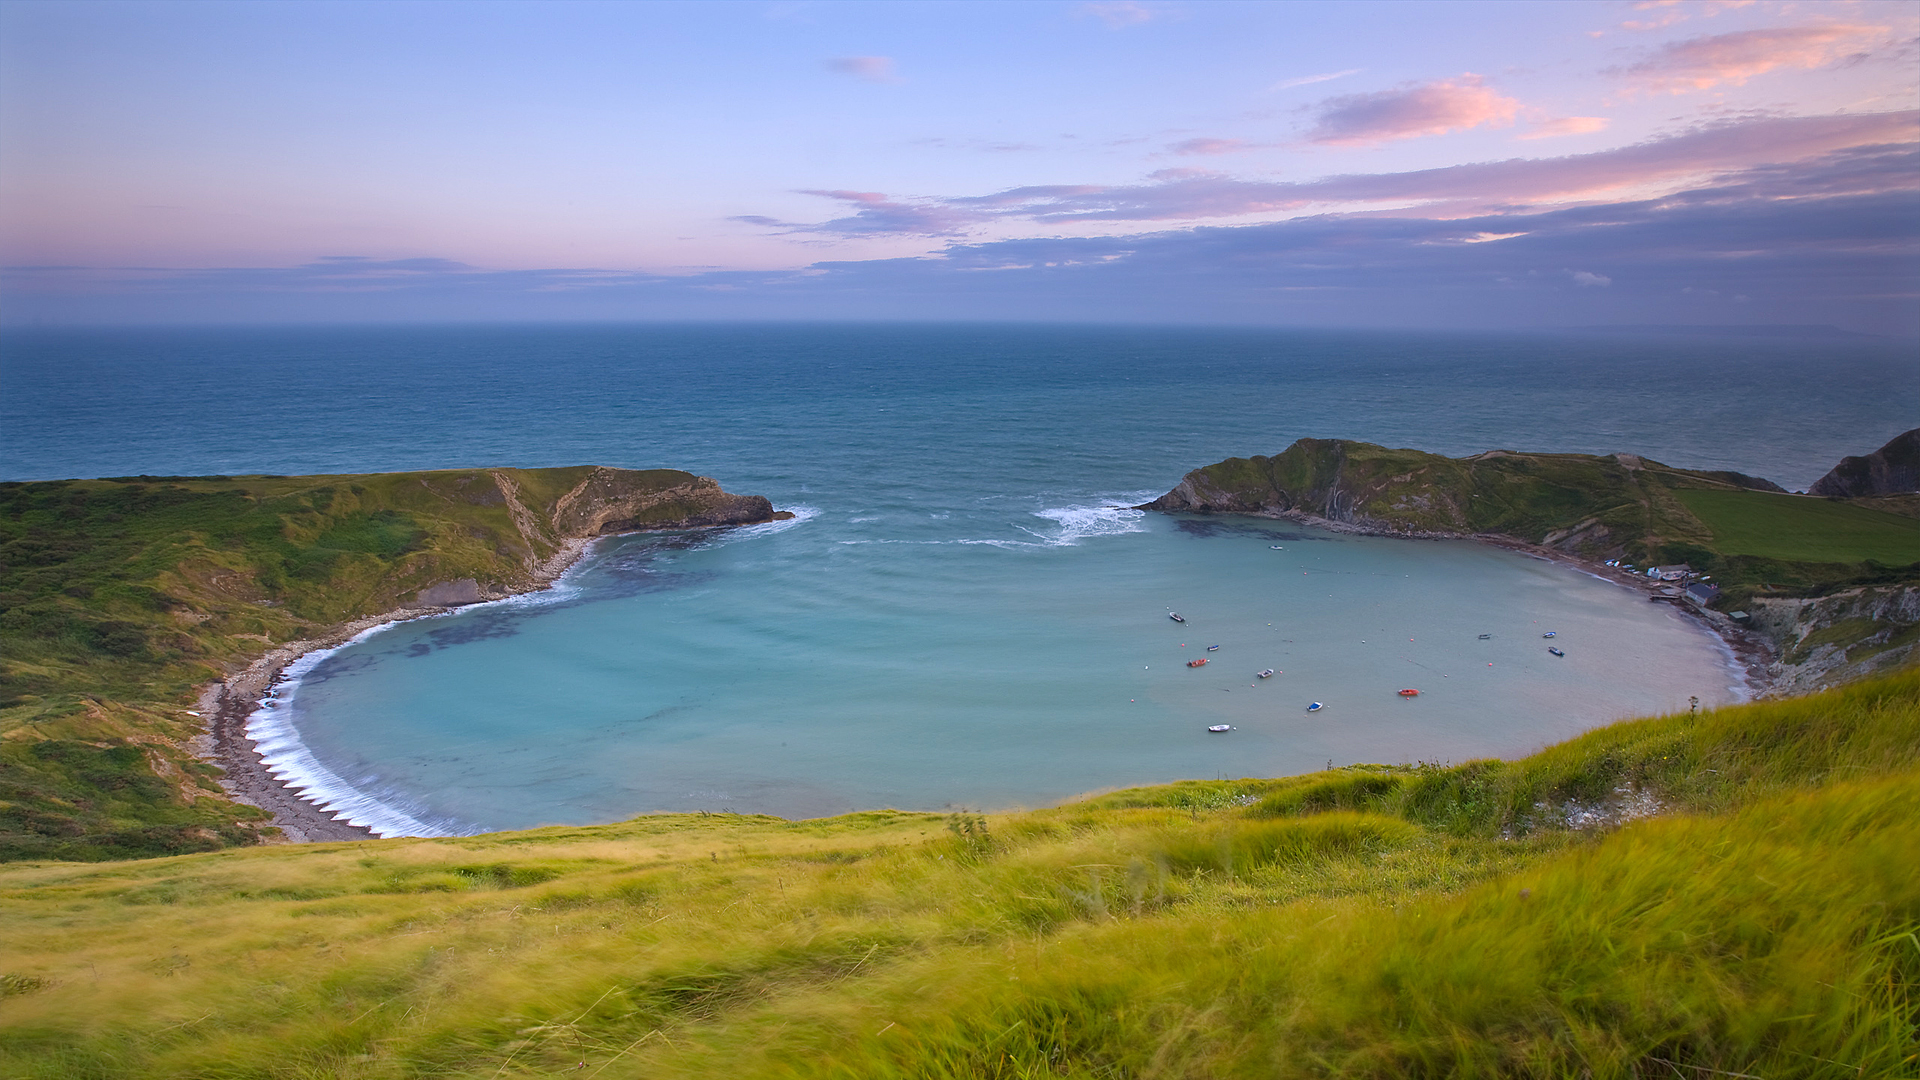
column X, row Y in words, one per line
column 1566, row 125
column 1705, row 62
column 1758, row 153
column 1457, row 189
column 1208, row 146
column 870, row 68
column 1431, row 109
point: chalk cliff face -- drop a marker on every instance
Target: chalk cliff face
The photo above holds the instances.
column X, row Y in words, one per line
column 1829, row 640
column 1596, row 506
column 548, row 510
column 1894, row 469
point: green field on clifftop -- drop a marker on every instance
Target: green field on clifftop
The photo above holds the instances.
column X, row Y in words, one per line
column 1803, row 529
column 1360, row 922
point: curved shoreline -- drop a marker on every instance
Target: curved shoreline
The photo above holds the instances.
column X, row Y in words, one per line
column 232, row 701
column 250, row 779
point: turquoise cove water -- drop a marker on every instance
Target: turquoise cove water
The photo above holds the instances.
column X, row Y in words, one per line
column 962, row 613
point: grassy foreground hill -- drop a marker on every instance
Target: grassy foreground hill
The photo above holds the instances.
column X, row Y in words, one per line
column 118, row 597
column 1761, row 918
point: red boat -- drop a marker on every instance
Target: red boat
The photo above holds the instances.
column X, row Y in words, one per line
column 1202, row 662
column 1409, row 693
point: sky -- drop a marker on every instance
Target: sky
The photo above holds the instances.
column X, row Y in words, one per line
column 1386, row 164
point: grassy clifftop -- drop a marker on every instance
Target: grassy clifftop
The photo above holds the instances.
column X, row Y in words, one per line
column 1752, row 537
column 117, row 597
column 1487, row 919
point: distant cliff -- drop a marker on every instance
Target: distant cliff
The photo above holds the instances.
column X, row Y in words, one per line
column 1604, row 507
column 1894, row 469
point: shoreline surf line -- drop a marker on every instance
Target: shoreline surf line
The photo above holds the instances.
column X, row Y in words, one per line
column 250, row 778
column 309, row 803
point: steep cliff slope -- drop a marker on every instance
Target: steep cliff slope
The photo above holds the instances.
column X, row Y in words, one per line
column 118, row 596
column 1894, row 469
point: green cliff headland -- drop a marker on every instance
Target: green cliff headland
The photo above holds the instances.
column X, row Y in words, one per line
column 118, row 598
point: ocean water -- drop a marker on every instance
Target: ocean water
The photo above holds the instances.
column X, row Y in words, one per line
column 962, row 613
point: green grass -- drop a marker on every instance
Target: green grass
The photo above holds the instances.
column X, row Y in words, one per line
column 1802, row 529
column 1361, row 922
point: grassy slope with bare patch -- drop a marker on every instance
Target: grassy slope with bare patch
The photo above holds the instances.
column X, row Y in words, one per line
column 1366, row 922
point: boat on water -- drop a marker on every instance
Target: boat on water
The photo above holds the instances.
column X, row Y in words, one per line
column 1213, row 648
column 1218, row 728
column 1409, row 692
column 1315, row 707
column 1486, row 637
column 1551, row 633
column 1265, row 673
column 1202, row 662
column 1555, row 651
column 1175, row 616
column 1276, row 547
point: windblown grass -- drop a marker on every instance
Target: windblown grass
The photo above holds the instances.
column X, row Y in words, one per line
column 1364, row 922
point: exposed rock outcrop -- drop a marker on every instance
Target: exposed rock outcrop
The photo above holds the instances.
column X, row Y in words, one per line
column 1894, row 469
column 621, row 500
column 1828, row 640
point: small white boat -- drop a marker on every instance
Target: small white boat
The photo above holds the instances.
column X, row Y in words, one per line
column 1276, row 547
column 1315, row 707
column 1551, row 633
column 1213, row 648
column 1265, row 673
column 1175, row 616
column 1218, row 728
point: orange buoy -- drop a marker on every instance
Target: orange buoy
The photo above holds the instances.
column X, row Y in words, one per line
column 1409, row 693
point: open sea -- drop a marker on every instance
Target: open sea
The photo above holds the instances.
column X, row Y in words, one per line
column 962, row 614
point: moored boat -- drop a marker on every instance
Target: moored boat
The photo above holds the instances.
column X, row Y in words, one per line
column 1265, row 673
column 1175, row 616
column 1315, row 707
column 1218, row 728
column 1202, row 662
column 1555, row 651
column 1409, row 692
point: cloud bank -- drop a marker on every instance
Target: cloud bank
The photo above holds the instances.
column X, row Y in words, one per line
column 1192, row 194
column 1832, row 236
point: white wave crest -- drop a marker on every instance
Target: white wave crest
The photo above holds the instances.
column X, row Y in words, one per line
column 1079, row 522
column 291, row 762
